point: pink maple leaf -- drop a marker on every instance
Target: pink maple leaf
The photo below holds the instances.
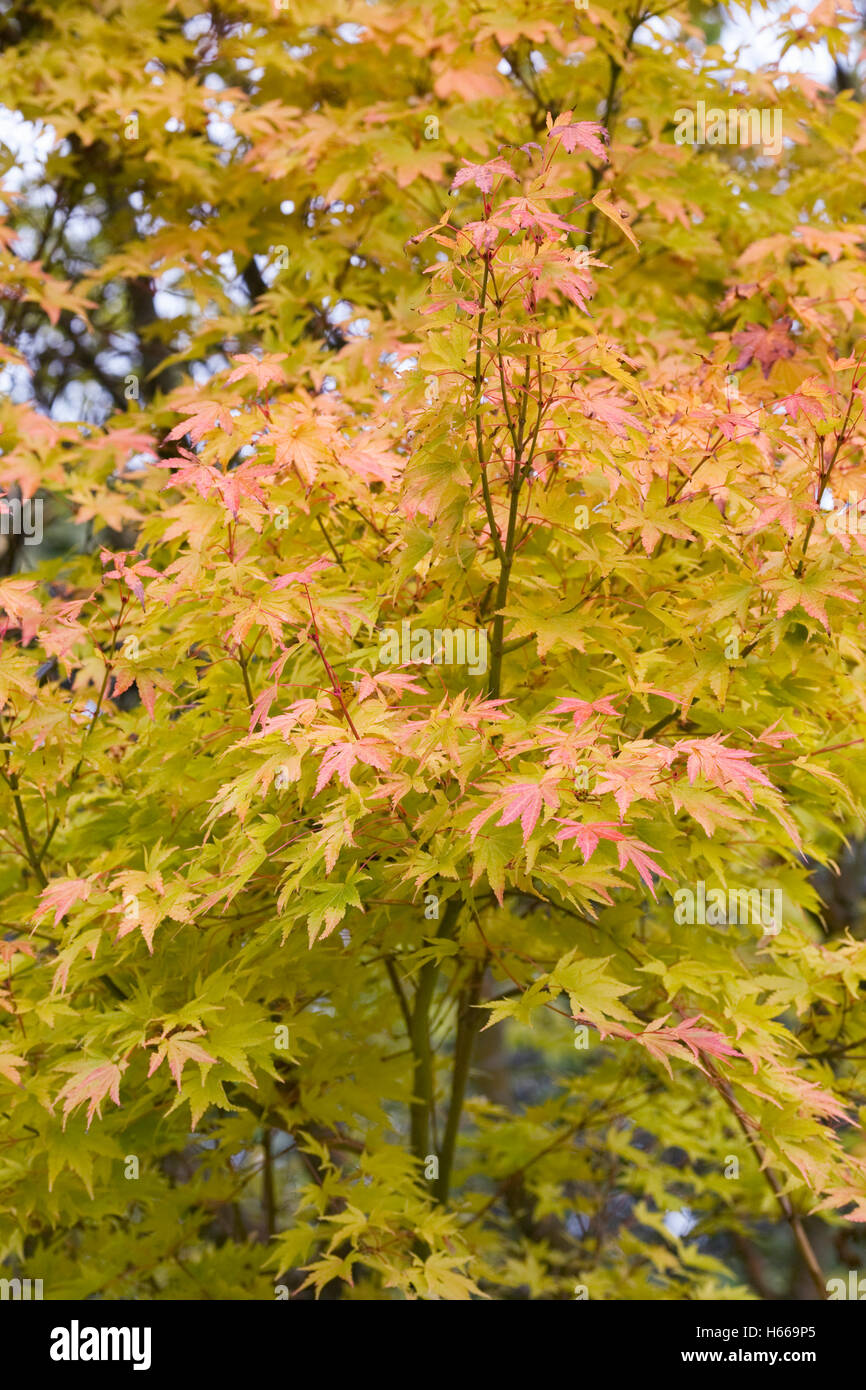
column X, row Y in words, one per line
column 386, row 680
column 634, row 852
column 661, row 1042
column 521, row 800
column 611, row 411
column 525, row 800
column 60, row 896
column 799, row 403
column 94, row 1085
column 584, row 135
column 482, row 175
column 772, row 508
column 341, row 758
column 711, row 759
column 304, row 576
column 581, row 710
column 203, row 418
column 588, row 834
column 264, row 369
column 773, row 736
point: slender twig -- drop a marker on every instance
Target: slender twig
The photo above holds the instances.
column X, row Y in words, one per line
column 791, row 1216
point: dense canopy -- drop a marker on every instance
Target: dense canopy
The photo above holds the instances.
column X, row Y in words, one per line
column 433, row 666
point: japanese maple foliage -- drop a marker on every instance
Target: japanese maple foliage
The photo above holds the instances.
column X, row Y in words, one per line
column 406, row 935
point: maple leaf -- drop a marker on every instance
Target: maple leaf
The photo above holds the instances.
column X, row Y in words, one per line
column 264, row 369
column 809, row 400
column 20, row 602
column 190, row 470
column 594, row 994
column 764, row 345
column 341, row 758
column 373, row 461
column 327, row 905
column 634, row 774
column 10, row 948
column 637, row 853
column 773, row 736
column 807, row 593
column 588, row 834
column 711, row 759
column 663, row 1042
column 483, row 235
column 615, row 213
column 731, row 426
column 386, row 680
column 128, row 573
column 304, row 576
column 520, row 800
column 773, row 508
column 60, row 895
column 92, row 1084
column 521, row 214
column 203, row 418
column 581, row 710
column 9, row 1064
column 582, row 135
column 610, row 410
column 482, row 175
column 179, row 1048
column 243, row 481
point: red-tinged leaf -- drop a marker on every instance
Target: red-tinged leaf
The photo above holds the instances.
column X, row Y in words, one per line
column 386, row 680
column 764, row 345
column 635, row 852
column 483, row 235
column 524, row 801
column 9, row 1064
column 610, row 411
column 521, row 214
column 482, row 175
column 60, row 895
column 243, row 481
column 663, row 1042
column 128, row 571
column 587, row 834
column 581, row 710
column 264, row 369
column 842, row 1197
column 726, row 767
column 19, row 601
column 772, row 508
column 580, row 135
column 147, row 692
column 190, row 471
column 808, row 594
column 808, row 401
column 635, row 774
column 10, row 948
column 203, row 418
column 179, row 1049
column 341, row 758
column 814, row 1098
column 521, row 800
column 92, row 1085
column 773, row 736
column 373, row 461
column 304, row 576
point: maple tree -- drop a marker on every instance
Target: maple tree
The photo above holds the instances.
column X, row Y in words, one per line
column 290, row 364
